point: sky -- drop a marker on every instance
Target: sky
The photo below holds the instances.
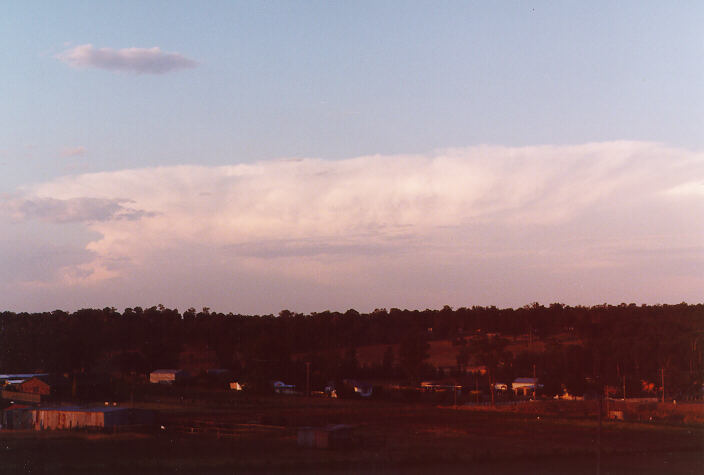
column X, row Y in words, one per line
column 258, row 156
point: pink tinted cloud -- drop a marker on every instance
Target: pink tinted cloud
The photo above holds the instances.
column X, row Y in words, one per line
column 135, row 60
column 481, row 225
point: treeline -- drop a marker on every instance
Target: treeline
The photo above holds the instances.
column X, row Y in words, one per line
column 615, row 341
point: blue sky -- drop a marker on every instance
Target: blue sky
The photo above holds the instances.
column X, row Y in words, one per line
column 335, row 81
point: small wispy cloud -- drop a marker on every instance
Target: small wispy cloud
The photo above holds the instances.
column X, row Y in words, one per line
column 134, row 60
column 69, row 210
column 73, row 151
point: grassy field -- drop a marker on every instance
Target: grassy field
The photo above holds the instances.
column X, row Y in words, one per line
column 389, row 438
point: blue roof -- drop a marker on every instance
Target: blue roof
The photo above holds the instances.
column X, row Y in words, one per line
column 22, row 375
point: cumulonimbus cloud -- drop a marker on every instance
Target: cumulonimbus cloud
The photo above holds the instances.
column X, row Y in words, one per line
column 485, row 217
column 135, row 60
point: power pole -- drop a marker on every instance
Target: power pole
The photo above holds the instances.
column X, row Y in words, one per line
column 662, row 382
column 307, row 378
column 598, row 437
column 624, row 387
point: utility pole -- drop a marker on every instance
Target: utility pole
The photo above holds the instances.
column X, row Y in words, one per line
column 662, row 382
column 624, row 387
column 307, row 378
column 598, row 437
column 476, row 385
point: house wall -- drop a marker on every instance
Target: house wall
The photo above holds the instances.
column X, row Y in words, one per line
column 18, row 396
column 162, row 378
column 17, row 419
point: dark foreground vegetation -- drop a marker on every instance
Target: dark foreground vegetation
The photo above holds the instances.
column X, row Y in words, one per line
column 258, row 434
column 618, row 360
column 582, row 348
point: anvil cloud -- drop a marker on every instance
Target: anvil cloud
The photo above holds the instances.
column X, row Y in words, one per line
column 613, row 221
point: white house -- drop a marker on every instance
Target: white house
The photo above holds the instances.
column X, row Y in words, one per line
column 167, row 376
column 525, row 386
column 520, row 386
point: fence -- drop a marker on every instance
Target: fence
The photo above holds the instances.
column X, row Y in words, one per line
column 218, row 429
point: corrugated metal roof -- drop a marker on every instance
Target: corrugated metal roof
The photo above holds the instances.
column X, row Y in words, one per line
column 22, row 375
column 83, row 409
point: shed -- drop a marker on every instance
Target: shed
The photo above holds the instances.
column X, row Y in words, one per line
column 108, row 418
column 167, row 376
column 17, row 418
column 328, row 437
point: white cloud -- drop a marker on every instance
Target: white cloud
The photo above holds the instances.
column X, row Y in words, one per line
column 83, row 209
column 135, row 60
column 487, row 225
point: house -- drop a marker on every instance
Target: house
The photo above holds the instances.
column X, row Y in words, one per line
column 360, row 388
column 167, row 376
column 522, row 387
column 282, row 388
column 349, row 387
column 18, row 378
column 35, row 385
column 237, row 386
column 525, row 386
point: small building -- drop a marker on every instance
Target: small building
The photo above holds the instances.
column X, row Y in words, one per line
column 35, row 385
column 282, row 388
column 17, row 417
column 520, row 386
column 237, row 386
column 525, row 386
column 167, row 376
column 360, row 388
column 71, row 417
column 328, row 437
